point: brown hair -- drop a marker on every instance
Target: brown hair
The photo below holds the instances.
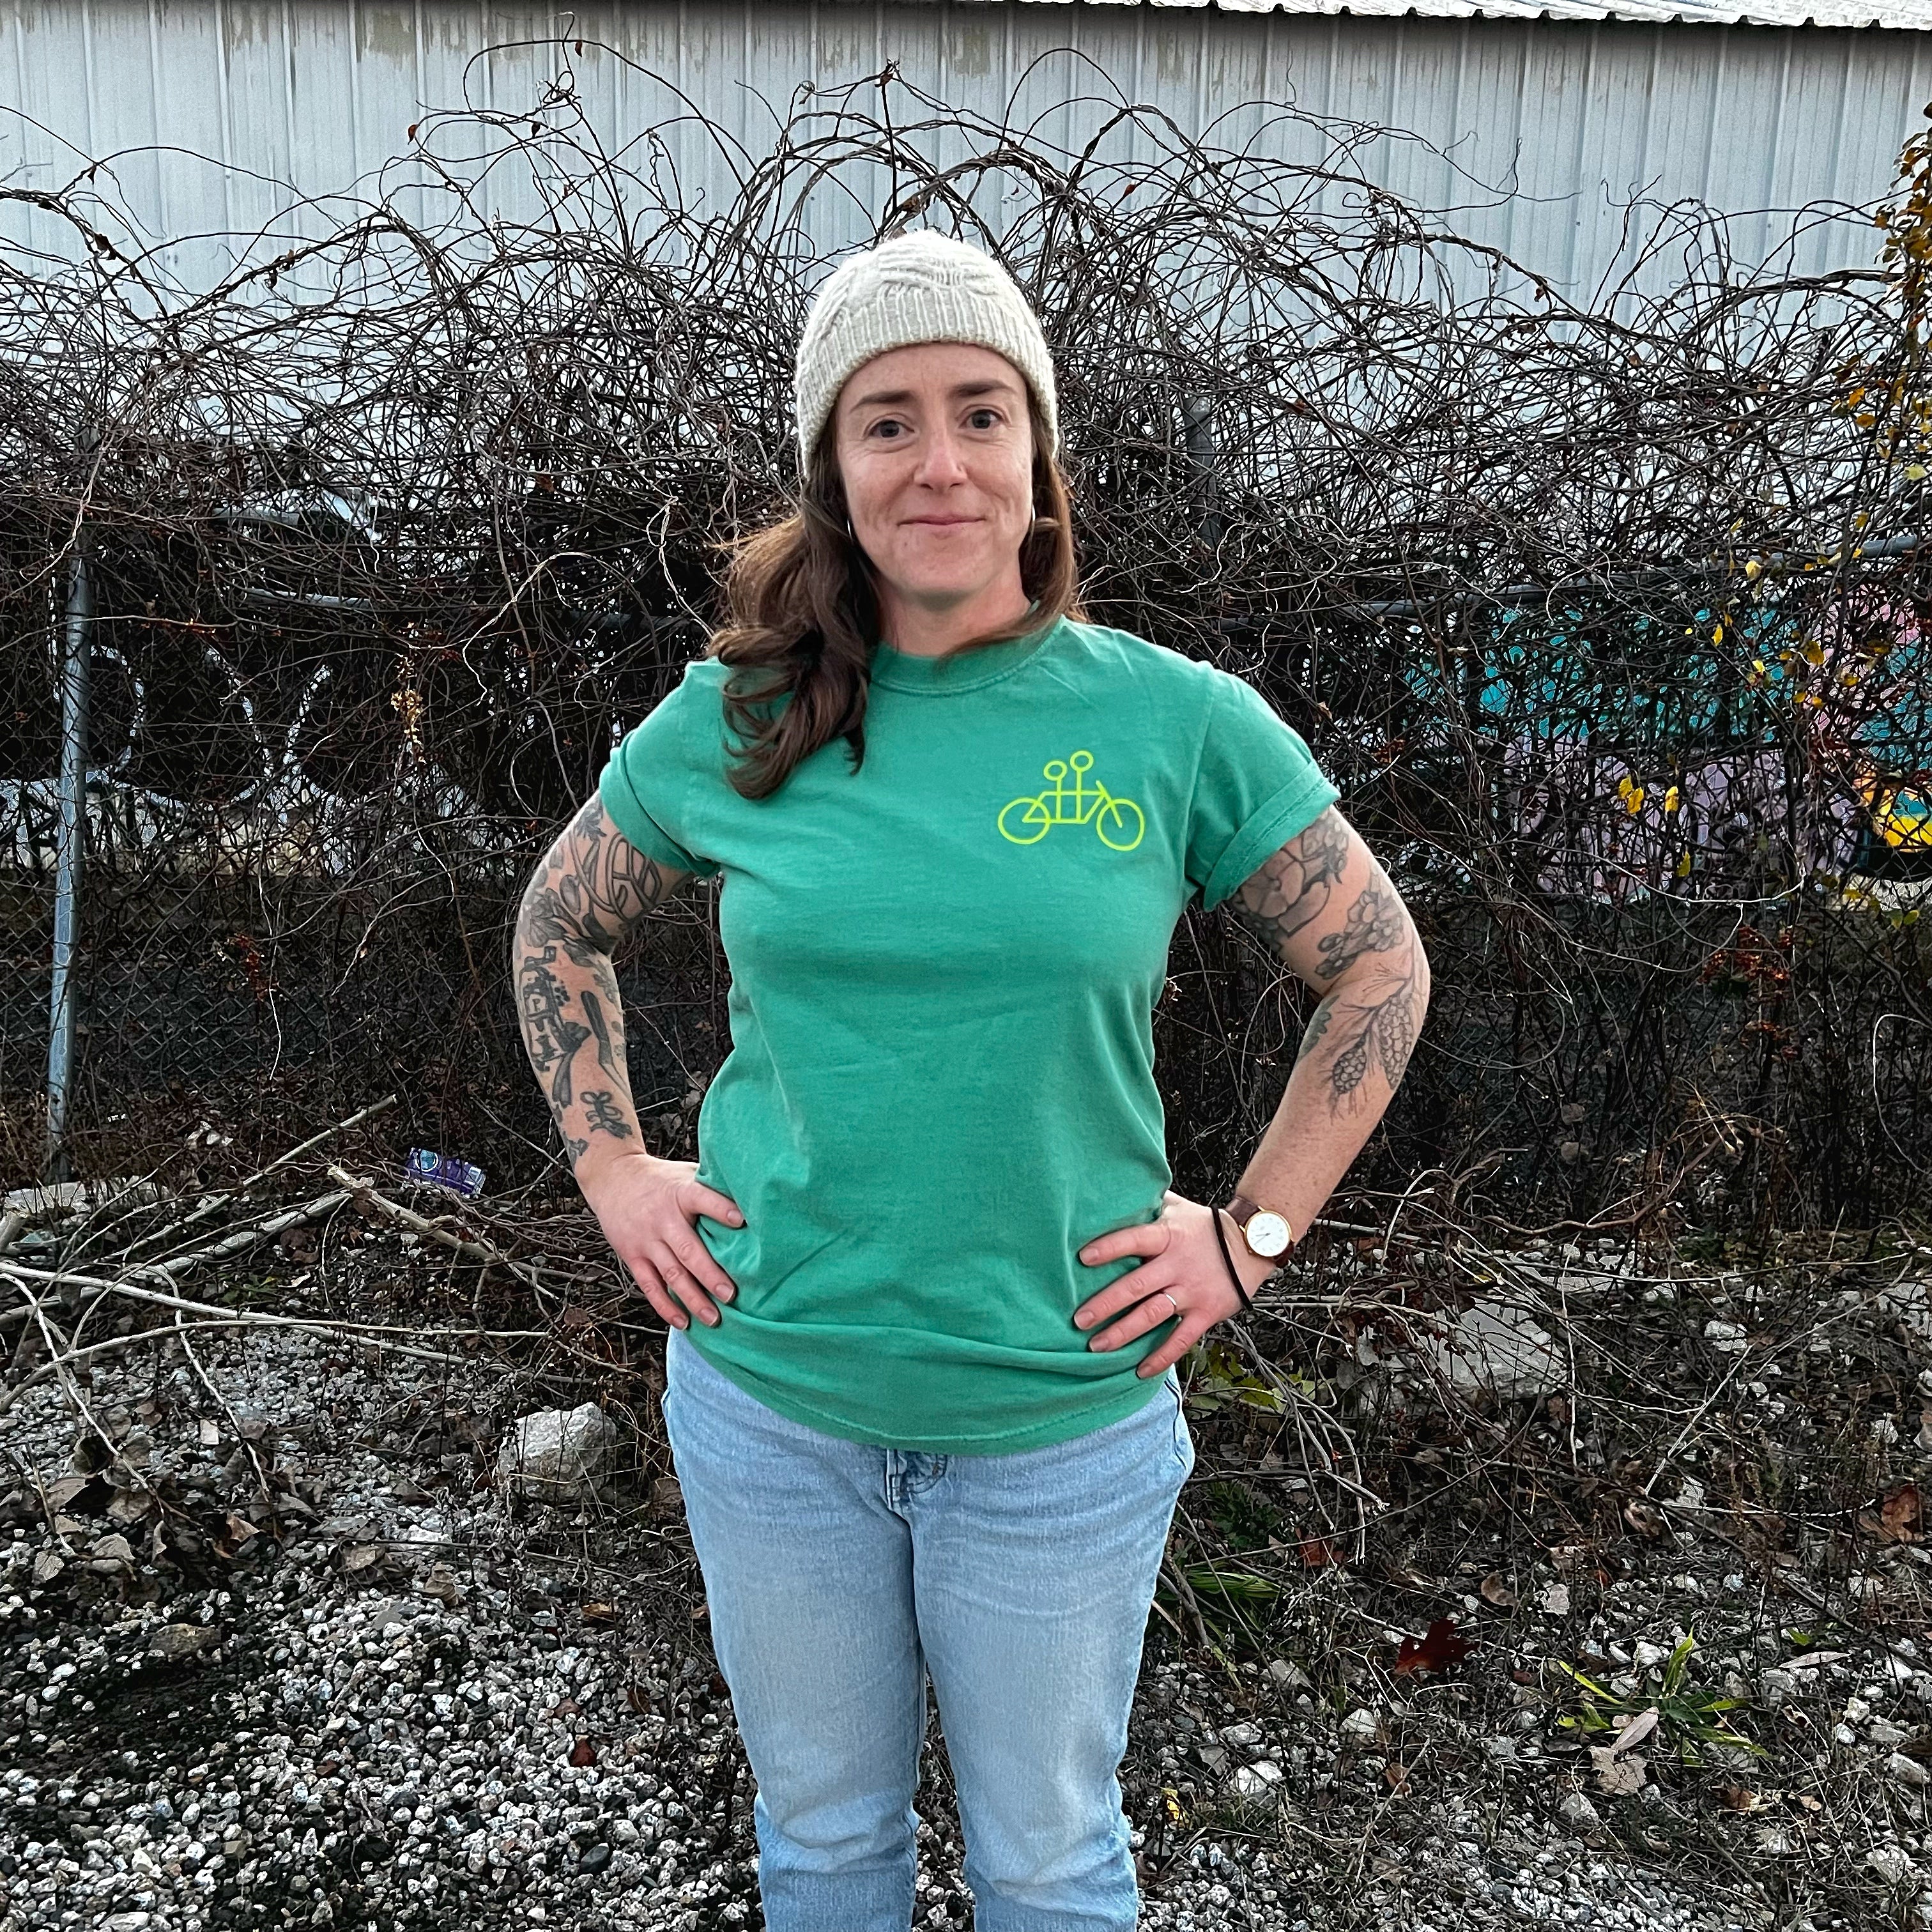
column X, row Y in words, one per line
column 802, row 614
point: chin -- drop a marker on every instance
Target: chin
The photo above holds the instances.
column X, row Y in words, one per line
column 949, row 584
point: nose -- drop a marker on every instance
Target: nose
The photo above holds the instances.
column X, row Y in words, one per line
column 940, row 463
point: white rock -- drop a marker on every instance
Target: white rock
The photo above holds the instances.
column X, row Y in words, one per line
column 1360, row 1723
column 1553, row 1600
column 1240, row 1736
column 1647, row 1655
column 1908, row 1770
column 1491, row 1347
column 1893, row 1863
column 556, row 1455
column 1576, row 1809
column 1252, row 1780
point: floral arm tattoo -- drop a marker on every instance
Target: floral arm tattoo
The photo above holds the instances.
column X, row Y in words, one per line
column 1360, row 939
column 591, row 888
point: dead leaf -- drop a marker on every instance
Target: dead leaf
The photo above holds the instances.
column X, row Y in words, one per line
column 64, row 1494
column 1397, row 1772
column 1438, row 1648
column 1635, row 1730
column 1806, row 1802
column 1618, row 1776
column 441, row 1583
column 600, row 1613
column 582, row 1752
column 1316, row 1551
column 47, row 1566
column 639, row 1699
column 1496, row 1589
column 1645, row 1518
column 361, row 1556
column 208, row 1432
column 1901, row 1515
column 567, row 1707
column 1739, row 1798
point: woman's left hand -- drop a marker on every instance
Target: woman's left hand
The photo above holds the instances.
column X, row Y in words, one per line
column 1183, row 1275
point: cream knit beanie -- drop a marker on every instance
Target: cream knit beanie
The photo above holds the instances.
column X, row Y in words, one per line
column 920, row 287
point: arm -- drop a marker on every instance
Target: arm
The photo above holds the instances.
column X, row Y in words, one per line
column 1327, row 908
column 592, row 887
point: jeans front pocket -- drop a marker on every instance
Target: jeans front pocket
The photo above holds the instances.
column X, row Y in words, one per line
column 1184, row 1439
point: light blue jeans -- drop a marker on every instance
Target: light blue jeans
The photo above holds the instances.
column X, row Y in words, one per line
column 839, row 1575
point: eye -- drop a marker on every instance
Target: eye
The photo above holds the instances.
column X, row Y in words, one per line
column 985, row 417
column 883, row 428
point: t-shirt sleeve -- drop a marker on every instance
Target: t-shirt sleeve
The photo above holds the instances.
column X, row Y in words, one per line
column 1257, row 787
column 654, row 777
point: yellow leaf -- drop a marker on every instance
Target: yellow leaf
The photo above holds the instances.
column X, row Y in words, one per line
column 1717, row 635
column 1914, row 472
column 1757, row 665
column 1671, row 800
column 1752, row 567
column 1684, row 865
column 1633, row 799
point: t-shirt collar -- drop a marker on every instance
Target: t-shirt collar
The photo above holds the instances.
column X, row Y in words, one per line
column 957, row 670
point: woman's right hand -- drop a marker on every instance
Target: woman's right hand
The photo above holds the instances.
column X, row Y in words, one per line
column 648, row 1210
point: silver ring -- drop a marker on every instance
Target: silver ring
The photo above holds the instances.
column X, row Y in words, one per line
column 1172, row 1303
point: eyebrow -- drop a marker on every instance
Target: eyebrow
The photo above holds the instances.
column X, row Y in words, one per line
column 993, row 385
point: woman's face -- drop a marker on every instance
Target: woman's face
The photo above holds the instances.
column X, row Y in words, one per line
column 935, row 448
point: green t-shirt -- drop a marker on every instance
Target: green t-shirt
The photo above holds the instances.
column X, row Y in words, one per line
column 944, row 969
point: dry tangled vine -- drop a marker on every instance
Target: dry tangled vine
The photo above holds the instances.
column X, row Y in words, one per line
column 1605, row 613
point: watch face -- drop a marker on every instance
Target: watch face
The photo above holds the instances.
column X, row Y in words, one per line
column 1267, row 1233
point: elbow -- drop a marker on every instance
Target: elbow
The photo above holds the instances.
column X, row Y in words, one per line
column 1421, row 971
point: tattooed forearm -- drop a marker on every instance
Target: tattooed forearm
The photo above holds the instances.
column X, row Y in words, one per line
column 591, row 888
column 1373, row 1022
column 1332, row 914
column 606, row 1116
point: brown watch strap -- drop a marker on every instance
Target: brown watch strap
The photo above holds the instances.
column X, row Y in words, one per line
column 1244, row 1210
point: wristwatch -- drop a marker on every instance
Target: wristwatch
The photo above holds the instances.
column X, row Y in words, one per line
column 1267, row 1233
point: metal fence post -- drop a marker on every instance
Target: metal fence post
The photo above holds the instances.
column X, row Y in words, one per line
column 76, row 641
column 1204, row 453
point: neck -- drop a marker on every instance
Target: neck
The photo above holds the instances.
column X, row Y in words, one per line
column 924, row 629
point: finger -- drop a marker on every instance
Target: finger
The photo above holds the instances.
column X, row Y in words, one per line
column 653, row 1291
column 1133, row 1286
column 685, row 1286
column 702, row 1200
column 1177, row 1345
column 702, row 1267
column 1139, row 1320
column 1145, row 1237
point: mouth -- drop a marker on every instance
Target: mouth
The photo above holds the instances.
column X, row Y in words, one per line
column 941, row 523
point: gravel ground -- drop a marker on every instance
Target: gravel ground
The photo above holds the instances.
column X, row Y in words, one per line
column 395, row 1699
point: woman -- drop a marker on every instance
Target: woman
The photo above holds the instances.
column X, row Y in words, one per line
column 926, row 1283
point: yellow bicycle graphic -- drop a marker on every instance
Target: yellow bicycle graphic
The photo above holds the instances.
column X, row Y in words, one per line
column 1113, row 819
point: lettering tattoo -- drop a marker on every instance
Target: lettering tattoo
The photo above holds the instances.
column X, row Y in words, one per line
column 593, row 887
column 1370, row 951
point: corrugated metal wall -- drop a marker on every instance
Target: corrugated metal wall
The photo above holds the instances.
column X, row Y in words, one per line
column 257, row 103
